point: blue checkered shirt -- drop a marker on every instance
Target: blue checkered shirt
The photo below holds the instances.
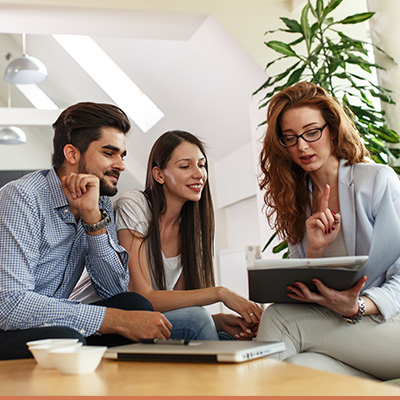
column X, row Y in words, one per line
column 43, row 252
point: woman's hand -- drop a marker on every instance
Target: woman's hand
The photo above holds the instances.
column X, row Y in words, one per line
column 322, row 227
column 235, row 326
column 343, row 302
column 250, row 311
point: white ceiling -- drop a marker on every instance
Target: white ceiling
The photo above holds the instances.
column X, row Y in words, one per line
column 194, row 71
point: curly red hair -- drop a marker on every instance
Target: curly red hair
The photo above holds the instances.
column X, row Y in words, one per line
column 287, row 198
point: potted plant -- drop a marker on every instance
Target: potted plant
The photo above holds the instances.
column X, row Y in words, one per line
column 318, row 51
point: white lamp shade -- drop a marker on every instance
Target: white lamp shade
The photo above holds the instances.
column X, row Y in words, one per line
column 25, row 69
column 12, row 135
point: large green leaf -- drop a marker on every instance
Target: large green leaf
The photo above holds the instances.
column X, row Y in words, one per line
column 293, row 25
column 365, row 99
column 281, row 246
column 304, row 24
column 270, row 240
column 384, row 134
column 356, row 18
column 377, row 144
column 297, row 41
column 281, row 47
column 362, row 63
column 385, row 97
column 346, row 40
column 319, row 10
column 364, row 115
column 333, row 67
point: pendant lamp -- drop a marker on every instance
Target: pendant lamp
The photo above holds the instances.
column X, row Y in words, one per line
column 25, row 69
column 12, row 135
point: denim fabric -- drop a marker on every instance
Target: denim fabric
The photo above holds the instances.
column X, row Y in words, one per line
column 192, row 323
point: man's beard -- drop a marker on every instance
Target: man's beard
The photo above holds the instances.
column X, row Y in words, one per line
column 106, row 189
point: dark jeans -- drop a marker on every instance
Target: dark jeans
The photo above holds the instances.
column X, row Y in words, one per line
column 13, row 343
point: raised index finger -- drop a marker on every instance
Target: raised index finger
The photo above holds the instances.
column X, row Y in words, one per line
column 325, row 198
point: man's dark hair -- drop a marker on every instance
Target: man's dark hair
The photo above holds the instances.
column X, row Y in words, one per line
column 81, row 124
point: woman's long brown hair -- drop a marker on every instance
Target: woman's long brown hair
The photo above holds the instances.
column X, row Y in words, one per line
column 287, row 198
column 197, row 219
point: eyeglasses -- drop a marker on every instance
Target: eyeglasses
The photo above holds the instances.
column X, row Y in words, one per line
column 309, row 136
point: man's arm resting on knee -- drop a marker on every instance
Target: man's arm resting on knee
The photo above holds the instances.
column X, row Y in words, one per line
column 136, row 325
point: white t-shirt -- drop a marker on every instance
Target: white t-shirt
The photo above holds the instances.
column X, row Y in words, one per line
column 132, row 211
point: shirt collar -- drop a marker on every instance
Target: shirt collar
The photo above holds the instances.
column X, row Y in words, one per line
column 57, row 195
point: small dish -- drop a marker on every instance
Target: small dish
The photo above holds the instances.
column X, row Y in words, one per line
column 75, row 361
column 47, row 342
column 41, row 352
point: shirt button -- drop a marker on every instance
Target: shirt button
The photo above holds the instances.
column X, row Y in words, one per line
column 82, row 331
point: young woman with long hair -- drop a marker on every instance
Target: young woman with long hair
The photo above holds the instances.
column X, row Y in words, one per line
column 323, row 195
column 168, row 230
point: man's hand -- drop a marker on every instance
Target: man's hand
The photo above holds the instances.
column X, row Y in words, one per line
column 136, row 325
column 82, row 192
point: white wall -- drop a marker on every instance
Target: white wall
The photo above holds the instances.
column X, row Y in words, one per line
column 34, row 155
column 242, row 224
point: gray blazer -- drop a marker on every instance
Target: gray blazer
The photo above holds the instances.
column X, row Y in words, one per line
column 361, row 191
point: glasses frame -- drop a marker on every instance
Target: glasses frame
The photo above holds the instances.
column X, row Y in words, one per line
column 302, row 136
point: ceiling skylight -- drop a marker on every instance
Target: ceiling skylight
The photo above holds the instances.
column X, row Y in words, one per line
column 37, row 97
column 110, row 77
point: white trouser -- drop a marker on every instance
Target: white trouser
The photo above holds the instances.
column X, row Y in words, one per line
column 316, row 337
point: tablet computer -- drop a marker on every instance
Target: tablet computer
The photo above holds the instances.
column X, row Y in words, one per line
column 268, row 278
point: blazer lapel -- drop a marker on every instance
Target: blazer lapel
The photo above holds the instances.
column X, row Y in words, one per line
column 347, row 207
